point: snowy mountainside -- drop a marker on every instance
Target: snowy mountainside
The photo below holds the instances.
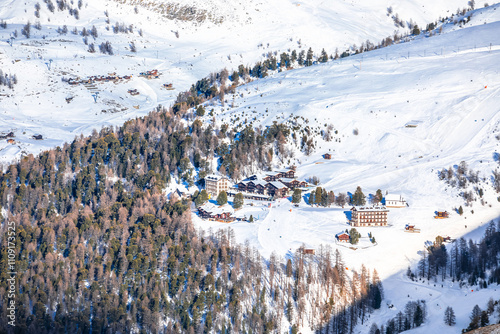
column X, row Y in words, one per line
column 182, row 50
column 452, row 100
column 398, row 115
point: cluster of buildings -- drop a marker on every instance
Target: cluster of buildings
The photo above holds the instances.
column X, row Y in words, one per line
column 272, row 185
column 111, row 77
column 154, row 74
column 372, row 215
column 281, row 184
column 210, row 211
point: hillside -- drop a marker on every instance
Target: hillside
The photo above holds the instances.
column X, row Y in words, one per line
column 182, row 50
column 398, row 116
column 98, row 234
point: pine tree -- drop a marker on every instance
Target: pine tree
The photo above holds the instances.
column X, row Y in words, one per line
column 377, row 297
column 317, row 196
column 460, row 210
column 354, row 236
column 309, row 59
column 358, row 198
column 475, row 318
column 302, row 55
column 297, row 195
column 485, row 320
column 311, row 198
column 324, row 197
column 222, row 198
column 378, row 197
column 418, row 318
column 324, row 56
column 331, row 198
column 238, row 201
column 449, row 316
column 204, row 196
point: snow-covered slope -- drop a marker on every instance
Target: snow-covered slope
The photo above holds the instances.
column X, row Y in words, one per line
column 229, row 34
column 402, row 114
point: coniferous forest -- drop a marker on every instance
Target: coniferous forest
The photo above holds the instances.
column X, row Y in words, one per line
column 100, row 249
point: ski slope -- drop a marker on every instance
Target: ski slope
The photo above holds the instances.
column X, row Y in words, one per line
column 448, row 86
column 233, row 33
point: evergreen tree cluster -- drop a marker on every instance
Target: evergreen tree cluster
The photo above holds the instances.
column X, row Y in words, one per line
column 467, row 261
column 414, row 316
column 321, row 197
column 106, row 48
column 464, row 178
column 8, row 80
column 481, row 318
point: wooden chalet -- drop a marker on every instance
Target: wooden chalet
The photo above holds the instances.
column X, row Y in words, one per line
column 343, row 237
column 154, row 74
column 327, row 156
column 276, row 189
column 442, row 214
column 411, row 229
column 218, row 213
column 9, row 135
column 293, row 183
column 275, row 176
column 309, row 251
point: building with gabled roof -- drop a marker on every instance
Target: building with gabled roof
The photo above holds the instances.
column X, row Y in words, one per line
column 211, row 211
column 394, row 201
column 277, row 189
column 343, row 237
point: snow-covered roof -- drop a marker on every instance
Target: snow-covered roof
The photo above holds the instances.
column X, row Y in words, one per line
column 215, row 209
column 214, row 177
column 340, row 233
column 260, row 182
column 393, row 197
column 371, row 208
column 277, row 184
column 287, row 179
